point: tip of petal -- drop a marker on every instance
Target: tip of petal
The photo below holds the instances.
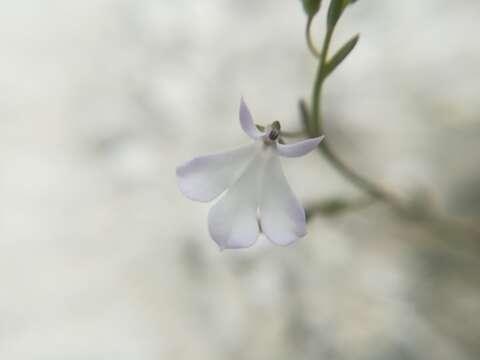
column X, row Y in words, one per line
column 317, row 140
column 299, row 148
column 247, row 123
column 286, row 240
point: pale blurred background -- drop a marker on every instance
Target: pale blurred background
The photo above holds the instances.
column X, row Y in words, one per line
column 101, row 257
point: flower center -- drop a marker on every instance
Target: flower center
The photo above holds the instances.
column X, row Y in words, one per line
column 273, row 134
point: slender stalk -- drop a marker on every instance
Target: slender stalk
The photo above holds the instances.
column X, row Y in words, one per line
column 308, row 37
column 360, row 181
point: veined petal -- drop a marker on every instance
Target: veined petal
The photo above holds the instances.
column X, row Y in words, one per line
column 206, row 177
column 281, row 215
column 232, row 221
column 247, row 123
column 299, row 148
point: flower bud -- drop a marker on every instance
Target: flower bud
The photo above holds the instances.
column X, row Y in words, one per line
column 311, row 7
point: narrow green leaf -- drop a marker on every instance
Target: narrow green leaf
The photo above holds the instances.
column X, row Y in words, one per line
column 334, row 12
column 341, row 54
column 337, row 206
column 348, row 2
column 311, row 7
column 330, row 207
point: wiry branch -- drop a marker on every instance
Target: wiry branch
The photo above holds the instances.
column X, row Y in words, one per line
column 313, row 123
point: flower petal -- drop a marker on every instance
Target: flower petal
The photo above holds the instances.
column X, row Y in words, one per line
column 206, row 177
column 232, row 222
column 247, row 123
column 281, row 215
column 299, row 148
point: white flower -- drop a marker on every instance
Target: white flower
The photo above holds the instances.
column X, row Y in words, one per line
column 256, row 186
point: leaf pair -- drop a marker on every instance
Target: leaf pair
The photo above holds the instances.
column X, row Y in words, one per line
column 335, row 11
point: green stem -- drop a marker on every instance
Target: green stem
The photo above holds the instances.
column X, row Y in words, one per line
column 308, row 36
column 374, row 190
column 316, row 125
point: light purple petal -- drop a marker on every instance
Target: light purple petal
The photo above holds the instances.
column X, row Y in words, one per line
column 232, row 222
column 299, row 148
column 281, row 215
column 247, row 123
column 206, row 177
